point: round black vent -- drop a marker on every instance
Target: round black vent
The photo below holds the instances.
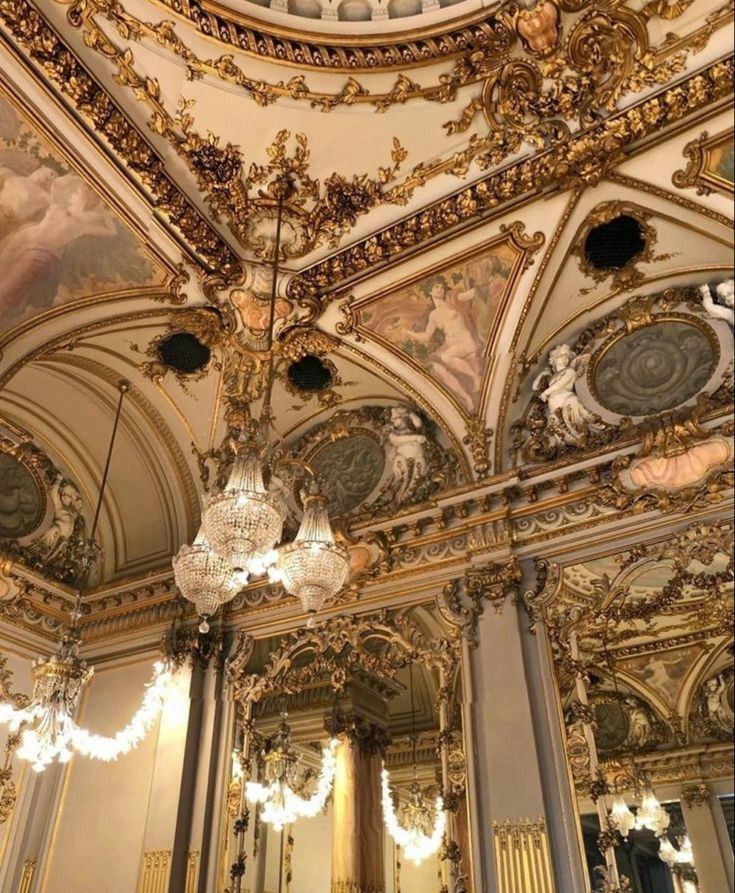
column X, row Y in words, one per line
column 611, row 245
column 184, row 353
column 309, row 374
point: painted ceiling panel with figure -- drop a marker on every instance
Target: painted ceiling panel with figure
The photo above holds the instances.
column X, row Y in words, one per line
column 443, row 319
column 59, row 241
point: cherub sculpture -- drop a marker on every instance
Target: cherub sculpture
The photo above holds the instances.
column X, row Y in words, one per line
column 68, row 506
column 716, row 712
column 722, row 308
column 405, row 452
column 641, row 731
column 568, row 420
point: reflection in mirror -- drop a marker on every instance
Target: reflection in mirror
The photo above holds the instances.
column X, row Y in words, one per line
column 355, row 725
column 643, row 659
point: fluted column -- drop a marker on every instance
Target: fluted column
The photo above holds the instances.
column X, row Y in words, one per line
column 358, row 858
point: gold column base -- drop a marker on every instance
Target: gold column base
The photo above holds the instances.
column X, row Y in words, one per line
column 522, row 857
column 352, row 887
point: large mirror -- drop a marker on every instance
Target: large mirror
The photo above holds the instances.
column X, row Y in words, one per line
column 643, row 654
column 359, row 719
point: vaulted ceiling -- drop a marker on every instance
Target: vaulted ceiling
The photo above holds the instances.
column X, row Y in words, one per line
column 465, row 148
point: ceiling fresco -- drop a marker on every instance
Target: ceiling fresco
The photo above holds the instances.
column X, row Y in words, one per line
column 444, row 320
column 59, row 241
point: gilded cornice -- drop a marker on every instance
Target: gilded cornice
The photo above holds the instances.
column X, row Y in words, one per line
column 31, row 32
column 709, row 762
column 580, row 160
column 351, row 53
column 508, row 82
column 488, row 528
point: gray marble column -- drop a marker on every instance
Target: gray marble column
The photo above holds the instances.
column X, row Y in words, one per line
column 521, row 775
column 699, row 809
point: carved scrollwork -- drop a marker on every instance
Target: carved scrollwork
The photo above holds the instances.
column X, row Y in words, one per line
column 624, row 723
column 707, row 164
column 56, row 545
column 381, row 644
column 462, row 602
column 376, row 459
column 627, row 276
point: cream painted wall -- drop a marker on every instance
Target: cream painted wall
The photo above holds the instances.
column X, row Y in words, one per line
column 110, row 800
column 312, row 854
column 412, row 878
column 20, row 667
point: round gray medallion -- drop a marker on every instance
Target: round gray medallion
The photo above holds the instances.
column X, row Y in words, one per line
column 349, row 470
column 654, row 368
column 612, row 725
column 21, row 501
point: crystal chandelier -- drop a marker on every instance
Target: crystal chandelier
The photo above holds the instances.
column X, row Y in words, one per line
column 420, row 830
column 242, row 525
column 280, row 803
column 48, row 729
column 649, row 814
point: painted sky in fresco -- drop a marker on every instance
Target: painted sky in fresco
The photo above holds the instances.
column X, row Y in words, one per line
column 58, row 240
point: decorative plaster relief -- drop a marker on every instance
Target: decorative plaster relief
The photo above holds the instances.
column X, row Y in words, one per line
column 650, row 370
column 41, row 511
column 378, row 458
column 624, row 723
column 714, row 706
column 655, row 368
column 22, row 500
column 710, row 164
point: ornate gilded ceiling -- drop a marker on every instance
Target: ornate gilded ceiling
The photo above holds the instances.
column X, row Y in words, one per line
column 492, row 384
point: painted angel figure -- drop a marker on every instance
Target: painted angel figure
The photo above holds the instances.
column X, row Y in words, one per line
column 405, row 452
column 568, row 419
column 30, row 256
column 722, row 308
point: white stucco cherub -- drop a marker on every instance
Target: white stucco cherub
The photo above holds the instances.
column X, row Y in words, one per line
column 405, row 452
column 568, row 419
column 720, row 306
column 67, row 505
column 713, row 689
column 640, row 726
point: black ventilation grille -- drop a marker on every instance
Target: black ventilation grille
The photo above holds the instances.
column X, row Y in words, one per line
column 309, row 374
column 184, row 353
column 611, row 245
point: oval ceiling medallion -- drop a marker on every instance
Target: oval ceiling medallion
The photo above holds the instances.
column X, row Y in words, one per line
column 349, row 470
column 655, row 368
column 612, row 725
column 22, row 502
